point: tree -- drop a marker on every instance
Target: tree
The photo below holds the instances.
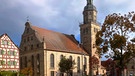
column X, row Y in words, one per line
column 114, row 37
column 66, row 65
column 110, row 67
column 8, row 73
column 27, row 71
column 95, row 62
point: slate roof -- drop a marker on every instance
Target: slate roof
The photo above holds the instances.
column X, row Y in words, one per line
column 58, row 41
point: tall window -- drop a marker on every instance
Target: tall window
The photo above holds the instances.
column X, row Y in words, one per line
column 31, row 47
column 32, row 61
column 52, row 73
column 25, row 59
column 71, row 71
column 85, row 63
column 78, row 64
column 25, row 48
column 52, row 60
column 21, row 62
column 70, row 57
column 38, row 63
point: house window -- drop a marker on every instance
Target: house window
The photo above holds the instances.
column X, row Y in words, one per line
column 37, row 45
column 8, row 43
column 52, row 60
column 31, row 38
column 78, row 64
column 52, row 73
column 28, row 38
column 12, row 53
column 2, row 52
column 31, row 47
column 11, row 63
column 3, row 62
column 4, row 42
column 25, row 48
column 27, row 30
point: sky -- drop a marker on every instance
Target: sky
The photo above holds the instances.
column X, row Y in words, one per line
column 58, row 15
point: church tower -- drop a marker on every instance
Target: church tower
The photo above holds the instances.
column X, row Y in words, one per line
column 89, row 28
column 88, row 32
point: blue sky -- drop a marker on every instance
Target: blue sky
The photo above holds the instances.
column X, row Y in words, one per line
column 59, row 15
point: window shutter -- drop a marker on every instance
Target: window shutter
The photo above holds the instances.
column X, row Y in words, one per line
column 14, row 53
column 9, row 53
column 2, row 62
column 9, row 63
column 14, row 62
column 2, row 52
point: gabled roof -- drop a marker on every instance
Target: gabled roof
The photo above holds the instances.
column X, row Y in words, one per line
column 9, row 38
column 58, row 41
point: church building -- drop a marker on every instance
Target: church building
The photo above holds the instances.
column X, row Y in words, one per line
column 42, row 49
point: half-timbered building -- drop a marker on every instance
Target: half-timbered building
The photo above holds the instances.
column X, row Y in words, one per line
column 9, row 54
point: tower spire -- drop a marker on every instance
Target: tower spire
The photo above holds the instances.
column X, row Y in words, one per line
column 89, row 2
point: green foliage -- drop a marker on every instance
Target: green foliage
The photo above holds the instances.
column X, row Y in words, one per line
column 66, row 64
column 27, row 71
column 8, row 73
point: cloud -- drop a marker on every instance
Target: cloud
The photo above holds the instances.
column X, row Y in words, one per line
column 59, row 15
column 106, row 7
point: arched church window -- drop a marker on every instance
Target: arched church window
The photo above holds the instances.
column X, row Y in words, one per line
column 78, row 64
column 32, row 61
column 52, row 60
column 70, row 57
column 85, row 62
column 25, row 59
column 38, row 63
column 86, row 30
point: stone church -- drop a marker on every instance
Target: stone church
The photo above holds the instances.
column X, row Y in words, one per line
column 42, row 49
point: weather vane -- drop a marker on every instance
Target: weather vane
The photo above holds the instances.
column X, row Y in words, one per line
column 27, row 18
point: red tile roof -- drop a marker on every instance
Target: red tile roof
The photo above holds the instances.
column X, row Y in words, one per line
column 58, row 41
